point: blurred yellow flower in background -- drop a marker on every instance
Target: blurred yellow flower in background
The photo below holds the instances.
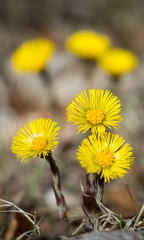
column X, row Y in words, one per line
column 32, row 55
column 118, row 61
column 97, row 111
column 88, row 44
column 37, row 138
column 106, row 156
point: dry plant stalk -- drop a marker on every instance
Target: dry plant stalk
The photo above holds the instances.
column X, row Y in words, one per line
column 31, row 218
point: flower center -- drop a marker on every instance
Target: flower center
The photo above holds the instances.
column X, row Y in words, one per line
column 38, row 143
column 95, row 116
column 104, row 158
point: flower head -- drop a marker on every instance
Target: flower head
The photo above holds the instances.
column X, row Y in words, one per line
column 88, row 44
column 37, row 138
column 32, row 55
column 97, row 111
column 106, row 156
column 118, row 61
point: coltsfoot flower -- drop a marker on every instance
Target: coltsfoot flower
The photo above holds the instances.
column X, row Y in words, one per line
column 118, row 61
column 37, row 138
column 106, row 156
column 32, row 55
column 97, row 111
column 88, row 44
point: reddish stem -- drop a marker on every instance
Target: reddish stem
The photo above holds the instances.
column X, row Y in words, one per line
column 94, row 189
column 60, row 200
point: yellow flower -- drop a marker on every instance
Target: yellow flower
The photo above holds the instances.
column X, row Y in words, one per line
column 88, row 44
column 37, row 138
column 118, row 61
column 32, row 55
column 106, row 156
column 97, row 111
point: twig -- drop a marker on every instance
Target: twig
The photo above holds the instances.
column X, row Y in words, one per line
column 10, row 204
column 1, row 231
column 131, row 197
column 78, row 228
column 139, row 216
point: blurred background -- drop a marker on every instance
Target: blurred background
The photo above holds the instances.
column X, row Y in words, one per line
column 25, row 97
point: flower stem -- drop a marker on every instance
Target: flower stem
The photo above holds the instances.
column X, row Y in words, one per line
column 94, row 190
column 99, row 196
column 60, row 200
column 99, row 187
column 90, row 183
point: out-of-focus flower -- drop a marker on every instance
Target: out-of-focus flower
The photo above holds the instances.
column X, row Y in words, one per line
column 118, row 61
column 97, row 111
column 32, row 55
column 37, row 138
column 106, row 156
column 88, row 44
